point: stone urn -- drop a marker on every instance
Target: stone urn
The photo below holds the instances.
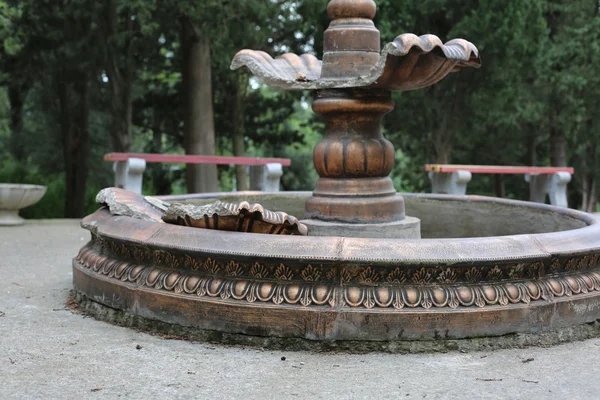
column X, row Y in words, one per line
column 15, row 196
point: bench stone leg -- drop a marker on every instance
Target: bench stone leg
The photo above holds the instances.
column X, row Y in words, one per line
column 558, row 189
column 555, row 186
column 450, row 182
column 273, row 174
column 266, row 178
column 129, row 174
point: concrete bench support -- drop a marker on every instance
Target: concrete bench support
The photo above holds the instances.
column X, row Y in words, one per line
column 554, row 185
column 450, row 182
column 266, row 178
column 129, row 174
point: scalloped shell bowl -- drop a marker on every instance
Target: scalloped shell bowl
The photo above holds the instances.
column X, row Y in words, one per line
column 14, row 197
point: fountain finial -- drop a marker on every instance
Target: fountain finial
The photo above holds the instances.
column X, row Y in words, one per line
column 351, row 9
column 351, row 43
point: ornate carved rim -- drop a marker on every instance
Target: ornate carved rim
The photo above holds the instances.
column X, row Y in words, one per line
column 360, row 286
column 344, row 288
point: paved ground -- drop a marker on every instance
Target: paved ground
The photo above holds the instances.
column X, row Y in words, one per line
column 48, row 352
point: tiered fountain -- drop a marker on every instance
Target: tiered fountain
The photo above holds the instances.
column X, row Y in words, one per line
column 357, row 269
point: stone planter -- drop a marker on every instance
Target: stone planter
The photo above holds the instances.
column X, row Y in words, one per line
column 14, row 197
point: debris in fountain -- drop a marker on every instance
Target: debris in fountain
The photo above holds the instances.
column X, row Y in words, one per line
column 128, row 204
column 241, row 217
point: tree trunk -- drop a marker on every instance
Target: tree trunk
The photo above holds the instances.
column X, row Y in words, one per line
column 444, row 139
column 558, row 144
column 443, row 142
column 499, row 186
column 239, row 129
column 16, row 97
column 74, row 128
column 589, row 199
column 120, row 78
column 162, row 184
column 120, row 126
column 198, row 127
column 531, row 156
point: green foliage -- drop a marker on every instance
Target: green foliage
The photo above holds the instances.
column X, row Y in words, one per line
column 533, row 100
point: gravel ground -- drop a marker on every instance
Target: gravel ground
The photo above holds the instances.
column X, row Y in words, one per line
column 47, row 351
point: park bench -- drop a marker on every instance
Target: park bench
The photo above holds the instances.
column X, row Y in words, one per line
column 265, row 173
column 543, row 181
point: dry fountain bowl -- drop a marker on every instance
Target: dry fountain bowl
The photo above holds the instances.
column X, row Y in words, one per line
column 485, row 268
column 15, row 196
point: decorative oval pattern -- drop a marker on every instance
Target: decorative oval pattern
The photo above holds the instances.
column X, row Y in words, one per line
column 365, row 287
column 370, row 158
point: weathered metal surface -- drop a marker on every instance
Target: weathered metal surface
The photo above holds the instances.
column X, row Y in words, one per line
column 353, row 86
column 288, row 71
column 344, row 288
column 409, row 62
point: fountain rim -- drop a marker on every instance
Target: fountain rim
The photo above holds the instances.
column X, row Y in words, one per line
column 449, row 251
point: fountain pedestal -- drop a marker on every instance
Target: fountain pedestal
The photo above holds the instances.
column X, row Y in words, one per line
column 354, row 195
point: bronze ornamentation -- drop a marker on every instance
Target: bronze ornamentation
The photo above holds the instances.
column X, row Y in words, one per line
column 366, row 287
column 354, row 83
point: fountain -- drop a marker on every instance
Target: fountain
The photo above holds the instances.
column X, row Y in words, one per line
column 366, row 266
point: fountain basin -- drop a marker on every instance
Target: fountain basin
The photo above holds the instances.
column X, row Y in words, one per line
column 484, row 267
column 14, row 197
